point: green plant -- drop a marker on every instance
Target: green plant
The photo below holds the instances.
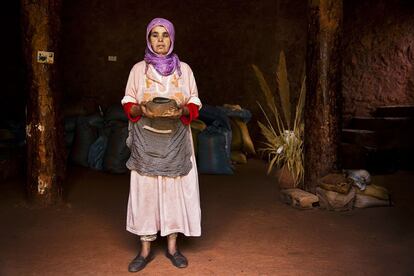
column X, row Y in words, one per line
column 283, row 143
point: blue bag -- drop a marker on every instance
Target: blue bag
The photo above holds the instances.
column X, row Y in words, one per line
column 212, row 152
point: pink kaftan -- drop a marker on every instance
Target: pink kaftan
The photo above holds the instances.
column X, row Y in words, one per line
column 158, row 203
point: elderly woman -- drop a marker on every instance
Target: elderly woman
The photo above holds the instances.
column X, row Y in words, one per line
column 161, row 100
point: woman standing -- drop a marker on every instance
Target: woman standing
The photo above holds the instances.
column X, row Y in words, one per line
column 164, row 192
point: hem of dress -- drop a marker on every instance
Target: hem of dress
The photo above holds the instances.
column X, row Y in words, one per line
column 129, row 229
column 133, row 231
column 179, row 231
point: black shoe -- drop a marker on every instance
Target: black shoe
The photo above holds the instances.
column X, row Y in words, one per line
column 177, row 259
column 140, row 262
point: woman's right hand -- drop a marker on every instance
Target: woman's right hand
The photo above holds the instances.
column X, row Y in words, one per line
column 135, row 110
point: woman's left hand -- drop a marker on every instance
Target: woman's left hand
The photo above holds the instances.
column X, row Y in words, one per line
column 176, row 113
column 182, row 110
column 185, row 110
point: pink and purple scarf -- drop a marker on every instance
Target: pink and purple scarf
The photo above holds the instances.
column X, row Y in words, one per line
column 165, row 65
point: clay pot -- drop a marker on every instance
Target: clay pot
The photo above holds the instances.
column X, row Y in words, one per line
column 162, row 107
column 285, row 178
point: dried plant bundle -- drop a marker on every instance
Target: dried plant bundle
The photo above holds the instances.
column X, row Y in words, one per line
column 283, row 85
column 283, row 145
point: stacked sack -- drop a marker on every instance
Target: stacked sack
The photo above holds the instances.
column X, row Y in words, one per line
column 197, row 126
column 86, row 131
column 353, row 188
column 367, row 193
column 116, row 130
column 336, row 192
column 214, row 142
column 241, row 143
column 77, row 117
column 224, row 140
column 97, row 141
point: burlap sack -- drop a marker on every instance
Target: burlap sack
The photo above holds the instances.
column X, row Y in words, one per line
column 248, row 146
column 197, row 125
column 335, row 182
column 375, row 191
column 299, row 198
column 238, row 157
column 336, row 201
column 236, row 136
column 364, row 201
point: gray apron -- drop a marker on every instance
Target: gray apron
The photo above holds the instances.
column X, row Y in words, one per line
column 159, row 147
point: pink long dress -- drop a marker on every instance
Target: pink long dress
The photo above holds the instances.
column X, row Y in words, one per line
column 158, row 203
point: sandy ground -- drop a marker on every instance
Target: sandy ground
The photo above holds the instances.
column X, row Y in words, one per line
column 246, row 231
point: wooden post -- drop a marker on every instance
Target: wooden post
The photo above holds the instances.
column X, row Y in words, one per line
column 323, row 71
column 44, row 129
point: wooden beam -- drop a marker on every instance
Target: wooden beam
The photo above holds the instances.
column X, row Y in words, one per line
column 44, row 128
column 323, row 72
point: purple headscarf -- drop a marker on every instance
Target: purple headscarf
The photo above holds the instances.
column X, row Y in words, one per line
column 165, row 65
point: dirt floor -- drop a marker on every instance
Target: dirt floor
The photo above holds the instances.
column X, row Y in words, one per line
column 246, row 231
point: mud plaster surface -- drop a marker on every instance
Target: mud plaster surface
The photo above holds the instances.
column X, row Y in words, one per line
column 246, row 231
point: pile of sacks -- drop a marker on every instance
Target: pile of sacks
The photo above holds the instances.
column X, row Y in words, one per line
column 221, row 138
column 98, row 140
column 352, row 188
column 241, row 143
